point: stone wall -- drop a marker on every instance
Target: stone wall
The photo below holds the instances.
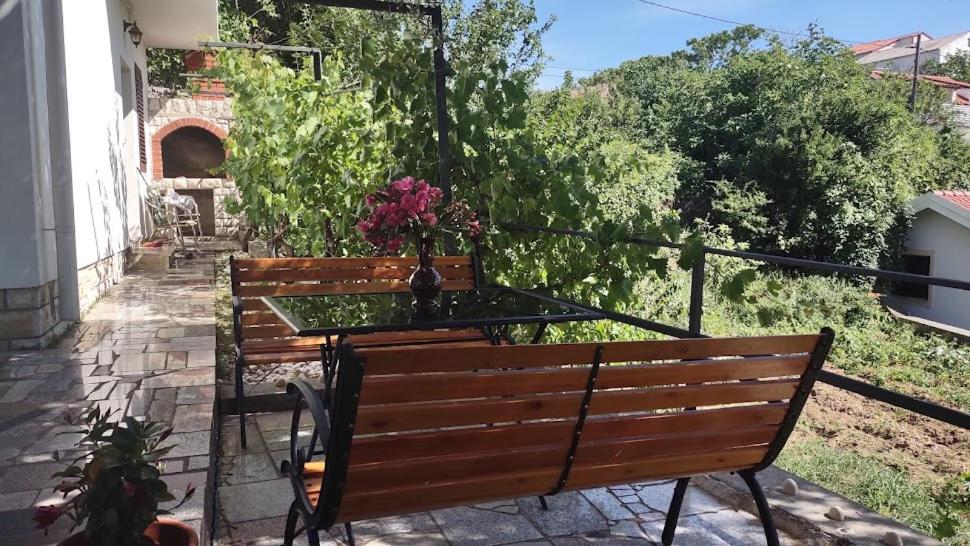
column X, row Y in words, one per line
column 95, row 279
column 163, row 110
column 29, row 317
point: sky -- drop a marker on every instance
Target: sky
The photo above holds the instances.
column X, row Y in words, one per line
column 592, row 34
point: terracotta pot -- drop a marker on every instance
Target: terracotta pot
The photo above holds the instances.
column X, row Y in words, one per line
column 163, row 532
column 425, row 282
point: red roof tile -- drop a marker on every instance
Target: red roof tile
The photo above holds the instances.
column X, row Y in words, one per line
column 875, row 45
column 960, row 198
column 939, row 81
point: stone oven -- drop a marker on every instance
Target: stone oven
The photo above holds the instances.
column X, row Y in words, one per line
column 187, row 136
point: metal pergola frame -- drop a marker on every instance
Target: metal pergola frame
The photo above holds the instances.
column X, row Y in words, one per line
column 440, row 69
column 314, row 52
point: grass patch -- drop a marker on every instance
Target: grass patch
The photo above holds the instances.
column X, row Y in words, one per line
column 225, row 344
column 870, row 482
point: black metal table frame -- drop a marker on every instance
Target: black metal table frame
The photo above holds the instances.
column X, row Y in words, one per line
column 328, row 352
column 297, row 326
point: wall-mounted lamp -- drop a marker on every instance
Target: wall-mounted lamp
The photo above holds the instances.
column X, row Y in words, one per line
column 134, row 32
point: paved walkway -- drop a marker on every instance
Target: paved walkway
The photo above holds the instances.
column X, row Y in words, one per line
column 147, row 348
column 253, row 500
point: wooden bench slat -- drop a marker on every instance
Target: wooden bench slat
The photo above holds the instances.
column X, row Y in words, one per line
column 331, row 274
column 391, row 447
column 401, row 417
column 286, row 356
column 472, row 490
column 617, row 451
column 267, row 331
column 252, row 346
column 600, row 475
column 259, row 318
column 691, row 396
column 382, row 361
column 280, row 263
column 321, row 289
column 608, row 427
column 400, row 473
column 478, row 489
column 501, row 459
column 444, row 386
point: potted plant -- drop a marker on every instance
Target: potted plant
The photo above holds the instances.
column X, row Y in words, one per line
column 408, row 210
column 114, row 488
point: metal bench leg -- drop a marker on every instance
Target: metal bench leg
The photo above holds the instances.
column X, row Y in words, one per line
column 240, row 403
column 542, row 501
column 289, row 533
column 350, row 533
column 673, row 513
column 768, row 522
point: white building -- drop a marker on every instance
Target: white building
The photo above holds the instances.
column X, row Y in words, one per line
column 74, row 161
column 898, row 54
column 938, row 244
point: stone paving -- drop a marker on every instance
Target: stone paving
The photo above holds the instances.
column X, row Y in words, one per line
column 146, row 349
column 253, row 499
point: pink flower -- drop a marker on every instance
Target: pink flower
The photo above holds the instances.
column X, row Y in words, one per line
column 474, row 229
column 429, row 219
column 403, row 185
column 409, row 204
column 436, row 194
column 394, row 244
column 45, row 516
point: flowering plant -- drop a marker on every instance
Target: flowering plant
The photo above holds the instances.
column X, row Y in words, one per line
column 115, row 485
column 408, row 208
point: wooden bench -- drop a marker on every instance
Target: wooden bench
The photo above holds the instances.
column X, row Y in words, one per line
column 261, row 337
column 420, row 428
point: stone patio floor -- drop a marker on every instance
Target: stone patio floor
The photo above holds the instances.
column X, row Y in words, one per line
column 147, row 349
column 253, row 500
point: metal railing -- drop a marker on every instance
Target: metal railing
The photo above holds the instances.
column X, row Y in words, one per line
column 928, row 409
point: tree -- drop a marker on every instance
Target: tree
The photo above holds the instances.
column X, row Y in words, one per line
column 955, row 65
column 794, row 147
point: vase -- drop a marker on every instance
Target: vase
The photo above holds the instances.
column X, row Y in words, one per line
column 161, row 532
column 425, row 282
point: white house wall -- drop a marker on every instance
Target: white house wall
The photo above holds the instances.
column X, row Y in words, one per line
column 107, row 185
column 28, row 250
column 949, row 243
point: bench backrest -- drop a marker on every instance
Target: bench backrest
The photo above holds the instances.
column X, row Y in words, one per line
column 436, row 427
column 251, row 278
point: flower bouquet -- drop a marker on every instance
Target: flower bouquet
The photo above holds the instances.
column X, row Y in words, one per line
column 413, row 210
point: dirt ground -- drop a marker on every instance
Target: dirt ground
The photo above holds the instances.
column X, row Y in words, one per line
column 925, row 448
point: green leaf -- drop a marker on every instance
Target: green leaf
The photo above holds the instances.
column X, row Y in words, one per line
column 734, row 288
column 691, row 252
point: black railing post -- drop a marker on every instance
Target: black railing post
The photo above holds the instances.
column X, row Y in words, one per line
column 697, row 294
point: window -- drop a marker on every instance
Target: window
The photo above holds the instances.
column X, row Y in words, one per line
column 918, row 264
column 140, row 119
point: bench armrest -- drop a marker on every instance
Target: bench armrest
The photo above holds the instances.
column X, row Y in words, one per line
column 293, row 468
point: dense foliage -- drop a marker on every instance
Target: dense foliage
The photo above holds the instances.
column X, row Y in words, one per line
column 304, row 153
column 795, row 148
column 955, row 65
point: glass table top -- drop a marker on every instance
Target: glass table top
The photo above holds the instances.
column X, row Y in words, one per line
column 366, row 313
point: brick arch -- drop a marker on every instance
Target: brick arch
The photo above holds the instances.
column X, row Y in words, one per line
column 171, row 127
